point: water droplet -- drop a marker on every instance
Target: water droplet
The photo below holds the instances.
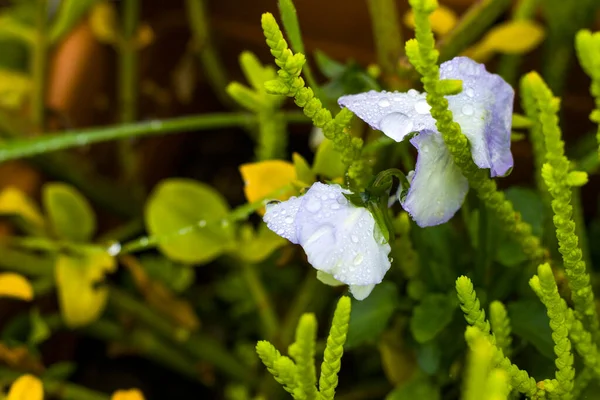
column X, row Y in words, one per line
column 114, row 249
column 384, row 103
column 354, row 238
column 313, row 204
column 324, row 197
column 422, row 107
column 396, row 125
column 202, row 223
column 283, row 212
column 280, row 232
column 467, row 109
column 358, row 259
column 342, row 200
column 289, row 220
column 412, row 92
column 470, row 92
column 335, row 206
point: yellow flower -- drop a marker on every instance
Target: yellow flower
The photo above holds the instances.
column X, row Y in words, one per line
column 263, row 178
column 26, row 387
column 16, row 286
column 131, row 394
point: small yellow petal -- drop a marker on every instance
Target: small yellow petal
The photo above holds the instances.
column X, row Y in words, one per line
column 443, row 19
column 263, row 178
column 103, row 21
column 15, row 285
column 26, row 387
column 16, row 202
column 131, row 394
column 512, row 37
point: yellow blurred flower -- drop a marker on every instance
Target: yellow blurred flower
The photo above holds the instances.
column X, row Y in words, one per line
column 26, row 387
column 131, row 394
column 263, row 178
column 16, row 286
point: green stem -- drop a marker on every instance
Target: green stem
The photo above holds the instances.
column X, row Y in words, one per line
column 471, row 27
column 388, row 38
column 298, row 307
column 128, row 87
column 209, row 58
column 38, row 65
column 269, row 319
column 20, row 148
column 58, row 389
column 197, row 345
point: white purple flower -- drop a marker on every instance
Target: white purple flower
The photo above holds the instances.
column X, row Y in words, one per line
column 484, row 111
column 341, row 240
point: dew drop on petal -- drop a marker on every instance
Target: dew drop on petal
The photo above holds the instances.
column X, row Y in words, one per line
column 383, row 103
column 358, row 259
column 470, row 92
column 342, row 200
column 354, row 238
column 313, row 204
column 396, row 125
column 289, row 220
column 335, row 206
column 422, row 107
column 467, row 109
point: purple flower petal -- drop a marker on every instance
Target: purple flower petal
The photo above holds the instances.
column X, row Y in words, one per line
column 484, row 111
column 280, row 218
column 338, row 237
column 395, row 114
column 438, row 187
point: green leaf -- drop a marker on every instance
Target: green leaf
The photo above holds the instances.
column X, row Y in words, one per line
column 429, row 356
column 530, row 322
column 431, row 316
column 60, row 371
column 40, row 331
column 81, row 295
column 177, row 277
column 70, row 214
column 369, row 317
column 289, row 17
column 255, row 247
column 180, row 203
column 420, row 387
column 328, row 66
column 328, row 161
column 529, row 203
column 303, row 171
column 69, row 14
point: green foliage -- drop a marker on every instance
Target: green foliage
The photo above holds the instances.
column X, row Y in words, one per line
column 178, row 204
column 328, row 162
column 291, row 84
column 587, row 45
column 431, row 316
column 555, row 173
column 370, row 316
column 69, row 13
column 69, row 213
column 500, row 324
column 298, row 377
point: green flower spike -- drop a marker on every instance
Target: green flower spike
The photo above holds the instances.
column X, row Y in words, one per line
column 559, row 181
column 422, row 54
column 480, row 328
column 588, row 52
column 289, row 83
column 545, row 286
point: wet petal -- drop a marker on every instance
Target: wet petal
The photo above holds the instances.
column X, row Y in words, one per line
column 484, row 111
column 361, row 292
column 280, row 218
column 438, row 188
column 395, row 114
column 338, row 237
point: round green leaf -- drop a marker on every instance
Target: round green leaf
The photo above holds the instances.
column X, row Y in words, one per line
column 178, row 204
column 431, row 316
column 370, row 316
column 70, row 214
